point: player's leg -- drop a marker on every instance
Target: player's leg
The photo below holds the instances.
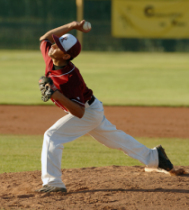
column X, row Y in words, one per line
column 107, row 134
column 63, row 131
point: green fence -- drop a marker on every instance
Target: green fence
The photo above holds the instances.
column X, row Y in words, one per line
column 22, row 22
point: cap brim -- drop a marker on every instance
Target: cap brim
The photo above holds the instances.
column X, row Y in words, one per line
column 56, row 40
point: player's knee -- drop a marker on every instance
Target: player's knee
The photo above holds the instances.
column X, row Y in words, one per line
column 48, row 134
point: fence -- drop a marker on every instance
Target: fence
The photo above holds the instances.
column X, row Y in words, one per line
column 22, row 22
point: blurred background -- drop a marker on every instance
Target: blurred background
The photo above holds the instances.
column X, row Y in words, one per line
column 23, row 21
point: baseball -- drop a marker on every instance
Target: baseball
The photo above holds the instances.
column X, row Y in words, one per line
column 86, row 26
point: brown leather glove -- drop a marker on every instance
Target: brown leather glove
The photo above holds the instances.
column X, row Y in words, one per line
column 47, row 88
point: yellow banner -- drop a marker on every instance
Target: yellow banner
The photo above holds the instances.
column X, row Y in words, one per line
column 150, row 19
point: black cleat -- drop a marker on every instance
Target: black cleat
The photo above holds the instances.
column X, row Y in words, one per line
column 164, row 162
column 48, row 188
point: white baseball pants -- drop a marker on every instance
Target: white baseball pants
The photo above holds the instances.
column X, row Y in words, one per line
column 69, row 128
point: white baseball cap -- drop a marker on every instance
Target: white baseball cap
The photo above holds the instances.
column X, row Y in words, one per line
column 68, row 44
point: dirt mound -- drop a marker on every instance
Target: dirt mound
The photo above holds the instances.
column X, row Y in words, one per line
column 113, row 187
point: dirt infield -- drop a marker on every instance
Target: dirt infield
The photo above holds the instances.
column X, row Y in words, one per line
column 136, row 121
column 112, row 187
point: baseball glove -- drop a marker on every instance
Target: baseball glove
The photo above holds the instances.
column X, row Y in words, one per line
column 47, row 88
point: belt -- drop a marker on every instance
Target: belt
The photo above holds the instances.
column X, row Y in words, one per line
column 91, row 100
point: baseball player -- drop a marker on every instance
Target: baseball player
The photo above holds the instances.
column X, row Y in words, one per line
column 64, row 85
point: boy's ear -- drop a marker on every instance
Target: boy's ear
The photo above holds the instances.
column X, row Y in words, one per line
column 66, row 56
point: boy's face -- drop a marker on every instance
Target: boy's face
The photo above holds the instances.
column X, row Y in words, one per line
column 55, row 52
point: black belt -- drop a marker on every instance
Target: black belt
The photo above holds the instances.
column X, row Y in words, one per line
column 91, row 100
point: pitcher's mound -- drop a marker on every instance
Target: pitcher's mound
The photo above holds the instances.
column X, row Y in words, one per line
column 112, row 187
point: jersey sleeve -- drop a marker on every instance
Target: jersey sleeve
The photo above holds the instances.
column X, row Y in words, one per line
column 44, row 47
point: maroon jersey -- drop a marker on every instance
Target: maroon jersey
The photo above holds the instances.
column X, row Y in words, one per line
column 68, row 80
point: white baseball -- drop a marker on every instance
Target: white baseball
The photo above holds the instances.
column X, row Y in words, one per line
column 86, row 26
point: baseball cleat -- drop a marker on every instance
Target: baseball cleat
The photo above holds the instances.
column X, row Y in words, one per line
column 48, row 188
column 164, row 162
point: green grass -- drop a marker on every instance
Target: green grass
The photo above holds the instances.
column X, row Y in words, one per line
column 22, row 153
column 117, row 78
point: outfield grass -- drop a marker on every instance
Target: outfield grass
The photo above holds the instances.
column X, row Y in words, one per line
column 22, row 153
column 117, row 78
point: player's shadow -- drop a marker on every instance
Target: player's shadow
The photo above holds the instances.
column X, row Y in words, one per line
column 131, row 190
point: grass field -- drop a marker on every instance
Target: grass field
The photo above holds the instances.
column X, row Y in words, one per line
column 117, row 78
column 22, row 153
